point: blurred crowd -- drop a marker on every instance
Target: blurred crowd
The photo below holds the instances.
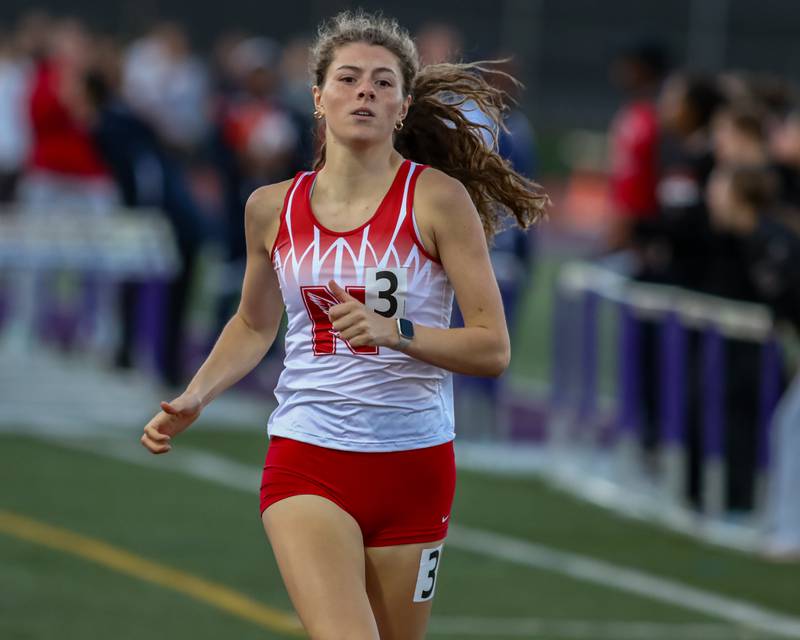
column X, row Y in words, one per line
column 705, row 182
column 89, row 122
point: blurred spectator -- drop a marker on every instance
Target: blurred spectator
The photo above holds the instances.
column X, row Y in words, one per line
column 439, row 42
column 168, row 86
column 65, row 167
column 224, row 75
column 773, row 95
column 256, row 123
column 65, row 172
column 147, row 176
column 672, row 247
column 739, row 134
column 634, row 136
column 742, row 200
column 296, row 90
column 736, row 257
column 257, row 140
column 739, row 138
column 32, row 34
column 785, row 148
column 295, row 95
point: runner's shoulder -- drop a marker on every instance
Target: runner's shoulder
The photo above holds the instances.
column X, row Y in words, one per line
column 264, row 205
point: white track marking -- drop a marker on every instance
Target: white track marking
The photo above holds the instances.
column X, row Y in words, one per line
column 537, row 628
column 633, row 581
column 239, row 476
column 605, row 487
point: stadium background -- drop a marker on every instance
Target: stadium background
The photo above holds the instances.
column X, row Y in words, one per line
column 99, row 540
column 563, row 47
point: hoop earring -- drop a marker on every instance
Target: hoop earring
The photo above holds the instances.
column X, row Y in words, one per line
column 318, row 115
column 398, row 125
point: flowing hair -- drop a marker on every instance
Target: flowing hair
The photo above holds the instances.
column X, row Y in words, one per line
column 436, row 130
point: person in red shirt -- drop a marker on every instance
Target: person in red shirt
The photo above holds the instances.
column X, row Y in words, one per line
column 65, row 166
column 64, row 173
column 638, row 72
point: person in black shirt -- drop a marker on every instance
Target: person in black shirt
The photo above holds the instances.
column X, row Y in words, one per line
column 672, row 247
column 742, row 200
column 148, row 176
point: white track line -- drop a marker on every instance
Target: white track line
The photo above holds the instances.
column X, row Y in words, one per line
column 238, row 476
column 605, row 487
column 532, row 628
column 633, row 581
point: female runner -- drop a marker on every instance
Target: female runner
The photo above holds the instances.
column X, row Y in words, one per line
column 364, row 254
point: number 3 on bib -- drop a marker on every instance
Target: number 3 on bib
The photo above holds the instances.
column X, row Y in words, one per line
column 386, row 289
column 426, row 578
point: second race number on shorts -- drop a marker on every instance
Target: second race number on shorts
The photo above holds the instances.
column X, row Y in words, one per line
column 426, row 578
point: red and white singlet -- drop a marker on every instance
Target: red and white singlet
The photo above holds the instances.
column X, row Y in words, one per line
column 359, row 398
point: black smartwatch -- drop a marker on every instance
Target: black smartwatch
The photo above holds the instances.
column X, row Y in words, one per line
column 405, row 328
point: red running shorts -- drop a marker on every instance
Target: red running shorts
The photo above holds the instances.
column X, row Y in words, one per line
column 396, row 497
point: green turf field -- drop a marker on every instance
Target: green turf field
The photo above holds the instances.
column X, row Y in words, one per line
column 167, row 555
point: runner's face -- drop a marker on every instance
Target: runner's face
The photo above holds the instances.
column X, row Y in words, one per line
column 362, row 97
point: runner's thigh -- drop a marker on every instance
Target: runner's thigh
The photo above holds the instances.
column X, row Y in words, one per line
column 401, row 582
column 320, row 553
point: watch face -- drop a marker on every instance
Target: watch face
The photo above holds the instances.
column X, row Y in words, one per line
column 406, row 328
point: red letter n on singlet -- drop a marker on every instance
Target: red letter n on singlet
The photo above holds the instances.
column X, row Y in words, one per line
column 318, row 301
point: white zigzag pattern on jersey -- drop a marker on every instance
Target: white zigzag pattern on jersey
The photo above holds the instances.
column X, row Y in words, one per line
column 420, row 273
column 403, row 209
column 421, row 269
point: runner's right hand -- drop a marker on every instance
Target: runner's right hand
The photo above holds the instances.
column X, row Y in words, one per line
column 174, row 417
